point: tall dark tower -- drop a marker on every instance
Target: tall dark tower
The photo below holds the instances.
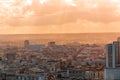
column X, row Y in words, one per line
column 26, row 44
column 116, row 52
column 109, row 55
column 113, row 55
column 112, row 70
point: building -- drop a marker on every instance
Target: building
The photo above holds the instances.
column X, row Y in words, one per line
column 112, row 74
column 74, row 74
column 113, row 55
column 118, row 39
column 36, row 47
column 112, row 69
column 10, row 55
column 37, row 76
column 116, row 54
column 51, row 44
column 109, row 55
column 33, row 47
column 26, row 43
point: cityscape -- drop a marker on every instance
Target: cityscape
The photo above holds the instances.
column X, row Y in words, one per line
column 59, row 39
column 59, row 61
column 51, row 61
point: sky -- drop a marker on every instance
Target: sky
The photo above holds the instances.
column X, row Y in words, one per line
column 59, row 16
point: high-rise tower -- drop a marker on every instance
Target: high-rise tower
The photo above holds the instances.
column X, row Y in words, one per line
column 26, row 43
column 112, row 69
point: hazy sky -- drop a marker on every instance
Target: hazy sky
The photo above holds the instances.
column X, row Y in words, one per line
column 59, row 16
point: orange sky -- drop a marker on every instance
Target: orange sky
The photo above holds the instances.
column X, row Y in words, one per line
column 59, row 16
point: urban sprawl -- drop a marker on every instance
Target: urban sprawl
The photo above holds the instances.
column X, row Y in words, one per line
column 52, row 61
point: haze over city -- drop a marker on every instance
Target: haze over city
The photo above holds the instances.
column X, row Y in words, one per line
column 59, row 39
column 59, row 16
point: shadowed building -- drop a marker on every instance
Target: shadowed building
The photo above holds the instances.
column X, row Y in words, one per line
column 10, row 54
column 112, row 69
column 26, row 44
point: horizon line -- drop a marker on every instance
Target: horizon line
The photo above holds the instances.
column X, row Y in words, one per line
column 59, row 33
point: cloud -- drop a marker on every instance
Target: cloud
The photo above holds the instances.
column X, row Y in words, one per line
column 57, row 12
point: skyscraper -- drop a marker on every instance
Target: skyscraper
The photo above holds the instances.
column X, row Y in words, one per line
column 113, row 55
column 109, row 56
column 26, row 43
column 112, row 69
column 116, row 53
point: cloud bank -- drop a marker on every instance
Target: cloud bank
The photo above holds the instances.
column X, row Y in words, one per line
column 64, row 13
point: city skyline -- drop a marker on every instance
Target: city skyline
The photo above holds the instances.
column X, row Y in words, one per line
column 59, row 16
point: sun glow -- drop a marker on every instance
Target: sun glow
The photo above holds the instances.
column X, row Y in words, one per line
column 115, row 1
column 70, row 2
column 29, row 2
column 42, row 1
